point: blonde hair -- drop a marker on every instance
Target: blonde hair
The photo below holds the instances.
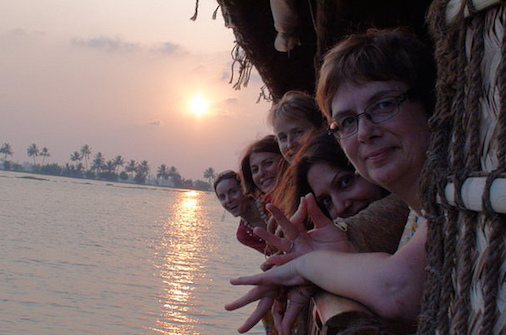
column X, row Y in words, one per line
column 297, row 105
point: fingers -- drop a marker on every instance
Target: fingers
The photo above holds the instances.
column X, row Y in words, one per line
column 300, row 214
column 291, row 230
column 263, row 308
column 275, row 241
column 278, row 310
column 248, row 280
column 315, row 213
column 290, row 316
column 254, row 294
column 272, row 225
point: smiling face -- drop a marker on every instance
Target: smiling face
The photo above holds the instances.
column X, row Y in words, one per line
column 231, row 198
column 391, row 153
column 341, row 192
column 290, row 135
column 264, row 169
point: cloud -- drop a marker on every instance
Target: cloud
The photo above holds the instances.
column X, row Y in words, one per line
column 225, row 76
column 231, row 101
column 155, row 123
column 106, row 44
column 18, row 32
column 199, row 68
column 226, row 108
column 167, row 48
column 21, row 32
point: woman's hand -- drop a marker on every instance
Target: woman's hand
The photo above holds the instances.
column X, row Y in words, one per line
column 266, row 294
column 297, row 241
column 285, row 312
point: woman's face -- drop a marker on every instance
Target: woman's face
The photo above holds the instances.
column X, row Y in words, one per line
column 390, row 153
column 290, row 134
column 231, row 198
column 341, row 192
column 264, row 169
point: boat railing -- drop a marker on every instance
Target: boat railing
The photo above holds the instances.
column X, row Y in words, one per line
column 330, row 314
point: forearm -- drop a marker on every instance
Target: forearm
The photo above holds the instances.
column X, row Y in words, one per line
column 374, row 279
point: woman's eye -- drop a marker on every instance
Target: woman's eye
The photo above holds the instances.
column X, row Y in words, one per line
column 345, row 181
column 282, row 138
column 346, row 122
column 384, row 105
column 299, row 133
column 268, row 163
column 254, row 170
column 325, row 202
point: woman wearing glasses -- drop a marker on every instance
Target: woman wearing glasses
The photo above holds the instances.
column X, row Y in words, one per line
column 377, row 90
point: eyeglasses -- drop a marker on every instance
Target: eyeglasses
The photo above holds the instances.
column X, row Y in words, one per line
column 380, row 111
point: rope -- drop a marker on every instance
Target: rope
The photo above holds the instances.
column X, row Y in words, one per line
column 466, row 252
column 194, row 17
column 240, row 58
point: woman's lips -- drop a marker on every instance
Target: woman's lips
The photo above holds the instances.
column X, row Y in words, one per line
column 378, row 155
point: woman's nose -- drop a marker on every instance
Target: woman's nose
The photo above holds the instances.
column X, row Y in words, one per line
column 292, row 142
column 343, row 207
column 365, row 129
column 261, row 170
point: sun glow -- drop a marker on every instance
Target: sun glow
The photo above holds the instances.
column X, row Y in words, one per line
column 199, row 105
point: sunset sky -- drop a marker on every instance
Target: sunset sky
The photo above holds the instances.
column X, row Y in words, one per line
column 120, row 76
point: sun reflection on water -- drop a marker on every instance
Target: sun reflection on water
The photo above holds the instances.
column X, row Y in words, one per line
column 181, row 252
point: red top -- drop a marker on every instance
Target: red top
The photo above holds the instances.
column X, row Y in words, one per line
column 246, row 236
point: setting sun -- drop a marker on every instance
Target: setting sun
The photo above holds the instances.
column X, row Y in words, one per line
column 199, row 105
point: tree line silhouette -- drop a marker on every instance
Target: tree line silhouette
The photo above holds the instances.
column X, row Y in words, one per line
column 83, row 165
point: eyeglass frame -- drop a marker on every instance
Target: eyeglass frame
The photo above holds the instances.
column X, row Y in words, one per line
column 333, row 129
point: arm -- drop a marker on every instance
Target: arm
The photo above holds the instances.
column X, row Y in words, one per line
column 391, row 285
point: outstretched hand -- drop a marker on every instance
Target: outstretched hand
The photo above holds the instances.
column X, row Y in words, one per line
column 265, row 293
column 286, row 314
column 297, row 241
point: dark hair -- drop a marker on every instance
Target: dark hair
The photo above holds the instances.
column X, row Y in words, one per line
column 266, row 144
column 227, row 174
column 297, row 105
column 379, row 55
column 321, row 149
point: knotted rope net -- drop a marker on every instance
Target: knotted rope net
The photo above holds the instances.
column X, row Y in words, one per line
column 466, row 290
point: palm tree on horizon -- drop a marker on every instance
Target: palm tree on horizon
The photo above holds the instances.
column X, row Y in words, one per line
column 76, row 156
column 86, row 152
column 6, row 149
column 44, row 153
column 142, row 172
column 118, row 161
column 98, row 162
column 131, row 167
column 33, row 151
column 209, row 174
column 163, row 172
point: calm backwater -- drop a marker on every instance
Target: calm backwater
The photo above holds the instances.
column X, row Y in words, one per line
column 89, row 257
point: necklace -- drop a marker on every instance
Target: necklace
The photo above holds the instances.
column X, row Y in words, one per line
column 247, row 224
column 264, row 217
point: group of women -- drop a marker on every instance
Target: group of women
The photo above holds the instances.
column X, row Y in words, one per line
column 339, row 180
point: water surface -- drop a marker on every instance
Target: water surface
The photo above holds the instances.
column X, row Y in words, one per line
column 90, row 257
